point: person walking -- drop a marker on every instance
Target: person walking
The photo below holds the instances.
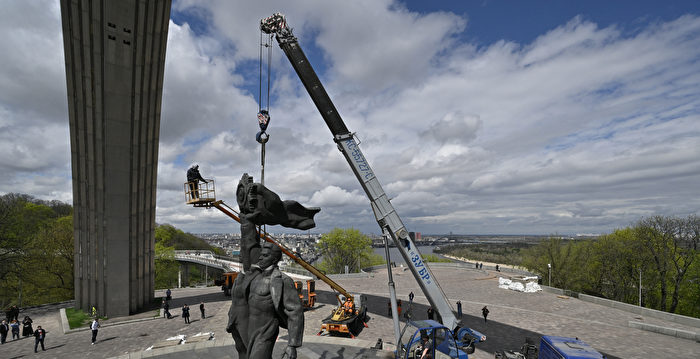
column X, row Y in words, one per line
column 14, row 326
column 485, row 312
column 94, row 327
column 167, row 294
column 166, row 309
column 430, row 313
column 459, row 309
column 4, row 329
column 186, row 313
column 39, row 335
column 201, row 308
column 27, row 329
column 398, row 307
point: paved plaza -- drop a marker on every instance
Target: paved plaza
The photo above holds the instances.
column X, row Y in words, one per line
column 513, row 317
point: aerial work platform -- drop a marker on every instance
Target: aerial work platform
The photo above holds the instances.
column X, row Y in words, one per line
column 201, row 194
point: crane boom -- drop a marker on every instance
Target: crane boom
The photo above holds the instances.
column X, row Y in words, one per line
column 384, row 211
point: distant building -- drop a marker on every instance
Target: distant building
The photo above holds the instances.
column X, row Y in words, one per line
column 415, row 236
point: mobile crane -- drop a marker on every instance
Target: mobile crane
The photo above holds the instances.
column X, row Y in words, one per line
column 384, row 211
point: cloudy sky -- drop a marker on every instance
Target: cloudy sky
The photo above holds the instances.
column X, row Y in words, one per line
column 477, row 117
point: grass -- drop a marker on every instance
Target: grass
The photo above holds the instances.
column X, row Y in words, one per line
column 76, row 317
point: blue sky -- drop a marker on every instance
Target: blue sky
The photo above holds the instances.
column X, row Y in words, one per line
column 523, row 21
column 477, row 116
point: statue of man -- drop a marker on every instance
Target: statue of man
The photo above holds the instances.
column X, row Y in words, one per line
column 262, row 298
column 272, row 302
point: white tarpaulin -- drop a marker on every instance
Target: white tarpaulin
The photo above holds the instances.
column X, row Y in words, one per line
column 527, row 284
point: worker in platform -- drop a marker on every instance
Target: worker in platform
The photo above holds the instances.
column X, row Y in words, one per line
column 193, row 177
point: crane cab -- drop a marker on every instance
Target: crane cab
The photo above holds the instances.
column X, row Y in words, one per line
column 200, row 194
column 438, row 340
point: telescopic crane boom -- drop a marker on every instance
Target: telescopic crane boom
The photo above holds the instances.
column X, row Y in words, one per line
column 384, row 211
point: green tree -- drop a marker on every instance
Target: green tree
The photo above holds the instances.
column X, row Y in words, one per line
column 50, row 254
column 345, row 247
column 614, row 262
column 564, row 257
column 22, row 220
column 176, row 238
column 672, row 244
column 166, row 266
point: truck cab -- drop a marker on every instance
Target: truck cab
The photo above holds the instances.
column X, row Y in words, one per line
column 553, row 347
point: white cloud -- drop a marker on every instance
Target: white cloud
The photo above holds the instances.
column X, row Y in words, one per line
column 333, row 196
column 585, row 129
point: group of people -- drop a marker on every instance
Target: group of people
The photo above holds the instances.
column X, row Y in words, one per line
column 11, row 325
column 185, row 308
column 481, row 266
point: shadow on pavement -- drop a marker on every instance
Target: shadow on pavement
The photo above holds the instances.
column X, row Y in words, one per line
column 193, row 300
column 498, row 336
column 106, row 339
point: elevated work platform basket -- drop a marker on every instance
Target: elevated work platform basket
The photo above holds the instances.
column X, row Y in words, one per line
column 200, row 194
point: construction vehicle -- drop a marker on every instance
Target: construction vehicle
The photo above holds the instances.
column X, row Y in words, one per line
column 341, row 320
column 226, row 282
column 439, row 341
column 552, row 347
column 384, row 212
column 310, row 299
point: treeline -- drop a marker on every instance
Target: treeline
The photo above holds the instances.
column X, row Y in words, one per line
column 663, row 251
column 36, row 250
column 660, row 251
column 168, row 240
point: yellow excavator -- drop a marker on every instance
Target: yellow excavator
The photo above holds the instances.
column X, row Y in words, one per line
column 351, row 314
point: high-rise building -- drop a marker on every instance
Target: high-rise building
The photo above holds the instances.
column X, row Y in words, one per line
column 115, row 58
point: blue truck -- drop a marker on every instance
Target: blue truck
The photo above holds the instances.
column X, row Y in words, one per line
column 553, row 347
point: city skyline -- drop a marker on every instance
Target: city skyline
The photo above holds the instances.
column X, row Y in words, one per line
column 478, row 118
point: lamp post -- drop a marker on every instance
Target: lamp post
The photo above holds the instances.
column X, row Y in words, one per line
column 640, row 286
column 549, row 267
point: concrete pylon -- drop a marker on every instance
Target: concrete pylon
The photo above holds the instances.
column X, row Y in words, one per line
column 115, row 59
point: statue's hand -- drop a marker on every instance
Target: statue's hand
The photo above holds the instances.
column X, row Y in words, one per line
column 290, row 353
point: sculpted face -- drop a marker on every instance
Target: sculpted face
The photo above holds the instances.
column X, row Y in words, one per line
column 269, row 255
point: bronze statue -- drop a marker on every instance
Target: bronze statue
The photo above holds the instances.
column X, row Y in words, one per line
column 259, row 205
column 263, row 298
